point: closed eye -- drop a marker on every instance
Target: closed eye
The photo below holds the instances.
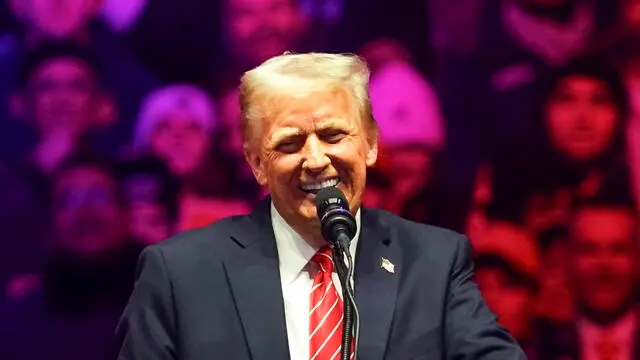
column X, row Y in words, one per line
column 290, row 145
column 333, row 136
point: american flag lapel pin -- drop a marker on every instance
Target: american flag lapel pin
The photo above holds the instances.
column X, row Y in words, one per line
column 387, row 265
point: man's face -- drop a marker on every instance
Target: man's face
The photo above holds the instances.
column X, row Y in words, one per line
column 88, row 218
column 511, row 302
column 582, row 117
column 314, row 142
column 602, row 253
column 180, row 142
column 57, row 19
column 410, row 168
column 63, row 96
column 260, row 29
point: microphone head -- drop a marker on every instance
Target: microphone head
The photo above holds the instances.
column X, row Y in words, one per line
column 333, row 210
column 329, row 197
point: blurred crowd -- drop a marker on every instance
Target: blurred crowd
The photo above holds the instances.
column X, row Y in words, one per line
column 515, row 122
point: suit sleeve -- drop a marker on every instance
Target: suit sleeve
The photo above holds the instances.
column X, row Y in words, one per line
column 472, row 330
column 147, row 328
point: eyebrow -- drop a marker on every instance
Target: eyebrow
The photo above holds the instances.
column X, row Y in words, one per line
column 284, row 134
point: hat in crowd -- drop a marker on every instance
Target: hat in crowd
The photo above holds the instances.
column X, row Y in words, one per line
column 512, row 243
column 55, row 50
column 405, row 107
column 183, row 99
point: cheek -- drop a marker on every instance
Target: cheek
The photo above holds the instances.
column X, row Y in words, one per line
column 606, row 122
column 559, row 120
column 159, row 143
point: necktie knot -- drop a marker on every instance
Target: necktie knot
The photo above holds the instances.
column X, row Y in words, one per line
column 323, row 259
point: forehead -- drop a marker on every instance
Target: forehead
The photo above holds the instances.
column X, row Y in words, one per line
column 64, row 67
column 604, row 225
column 317, row 110
column 83, row 177
column 582, row 84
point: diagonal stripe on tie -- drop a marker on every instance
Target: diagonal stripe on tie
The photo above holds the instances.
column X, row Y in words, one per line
column 326, row 311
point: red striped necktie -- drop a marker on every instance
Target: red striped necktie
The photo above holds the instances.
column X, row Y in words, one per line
column 326, row 311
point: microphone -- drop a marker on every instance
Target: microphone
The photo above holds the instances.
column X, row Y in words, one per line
column 337, row 223
column 338, row 226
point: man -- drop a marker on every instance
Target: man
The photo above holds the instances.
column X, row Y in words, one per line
column 242, row 288
column 507, row 268
column 40, row 22
column 63, row 101
column 602, row 265
column 86, row 275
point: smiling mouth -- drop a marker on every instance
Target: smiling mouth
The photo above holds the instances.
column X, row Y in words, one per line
column 313, row 188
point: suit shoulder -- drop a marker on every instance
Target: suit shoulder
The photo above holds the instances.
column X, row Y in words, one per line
column 214, row 235
column 420, row 234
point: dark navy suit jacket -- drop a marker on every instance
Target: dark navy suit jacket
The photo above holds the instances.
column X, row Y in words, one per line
column 215, row 293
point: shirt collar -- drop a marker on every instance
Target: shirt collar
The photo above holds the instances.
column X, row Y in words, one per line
column 293, row 251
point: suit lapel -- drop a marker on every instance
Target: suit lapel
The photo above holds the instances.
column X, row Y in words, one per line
column 376, row 286
column 255, row 282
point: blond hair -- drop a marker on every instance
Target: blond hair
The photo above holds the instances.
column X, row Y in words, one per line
column 297, row 75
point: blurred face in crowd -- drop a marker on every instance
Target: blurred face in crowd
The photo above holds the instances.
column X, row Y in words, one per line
column 63, row 96
column 312, row 142
column 149, row 217
column 56, row 19
column 88, row 218
column 582, row 117
column 602, row 253
column 181, row 142
column 260, row 29
column 512, row 302
column 409, row 167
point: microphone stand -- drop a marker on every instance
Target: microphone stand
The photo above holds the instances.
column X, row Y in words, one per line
column 350, row 322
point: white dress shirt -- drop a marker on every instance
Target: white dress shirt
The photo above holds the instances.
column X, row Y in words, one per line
column 296, row 280
column 622, row 334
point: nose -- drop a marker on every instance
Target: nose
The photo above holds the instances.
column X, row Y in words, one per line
column 315, row 158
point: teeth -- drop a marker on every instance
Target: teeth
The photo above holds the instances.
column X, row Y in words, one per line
column 320, row 185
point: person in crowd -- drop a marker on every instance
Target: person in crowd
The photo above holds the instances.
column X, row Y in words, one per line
column 602, row 262
column 507, row 258
column 64, row 103
column 533, row 37
column 43, row 21
column 87, row 273
column 152, row 199
column 583, row 117
column 176, row 125
column 308, row 125
column 411, row 128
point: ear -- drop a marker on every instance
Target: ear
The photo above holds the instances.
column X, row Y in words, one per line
column 106, row 111
column 372, row 152
column 17, row 106
column 252, row 155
